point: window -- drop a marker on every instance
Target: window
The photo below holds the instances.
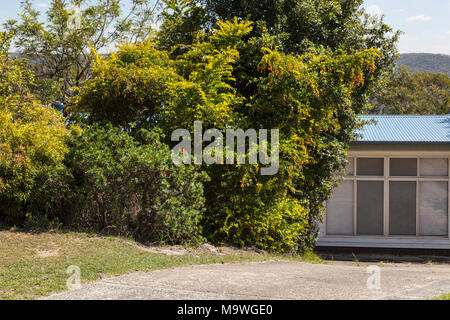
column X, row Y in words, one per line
column 433, row 213
column 410, row 198
column 340, row 210
column 402, row 207
column 434, row 167
column 403, row 167
column 370, row 208
column 370, row 167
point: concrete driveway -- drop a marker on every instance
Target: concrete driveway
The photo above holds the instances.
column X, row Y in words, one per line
column 274, row 280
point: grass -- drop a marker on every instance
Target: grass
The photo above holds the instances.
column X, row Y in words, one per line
column 34, row 264
column 443, row 297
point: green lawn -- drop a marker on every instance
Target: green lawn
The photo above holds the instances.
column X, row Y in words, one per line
column 34, row 265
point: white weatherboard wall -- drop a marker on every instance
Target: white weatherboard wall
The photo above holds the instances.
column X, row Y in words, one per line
column 427, row 223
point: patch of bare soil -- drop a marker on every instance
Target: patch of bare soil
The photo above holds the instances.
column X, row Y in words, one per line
column 47, row 253
column 197, row 251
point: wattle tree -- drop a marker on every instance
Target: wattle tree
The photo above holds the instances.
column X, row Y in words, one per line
column 308, row 98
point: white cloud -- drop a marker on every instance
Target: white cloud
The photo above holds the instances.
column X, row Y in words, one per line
column 420, row 17
column 424, row 44
column 43, row 5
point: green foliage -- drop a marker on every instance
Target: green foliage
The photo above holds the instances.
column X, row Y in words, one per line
column 303, row 67
column 302, row 25
column 182, row 20
column 122, row 185
column 59, row 50
column 327, row 36
column 280, row 228
column 413, row 93
column 308, row 98
column 31, row 138
column 142, row 86
column 97, row 178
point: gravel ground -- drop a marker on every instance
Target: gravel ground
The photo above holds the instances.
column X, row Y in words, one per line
column 274, row 280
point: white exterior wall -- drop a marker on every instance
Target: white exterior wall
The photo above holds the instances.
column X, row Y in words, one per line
column 386, row 240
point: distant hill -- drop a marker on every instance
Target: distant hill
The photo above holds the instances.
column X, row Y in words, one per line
column 426, row 62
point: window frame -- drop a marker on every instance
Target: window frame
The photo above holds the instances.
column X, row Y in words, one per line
column 386, row 178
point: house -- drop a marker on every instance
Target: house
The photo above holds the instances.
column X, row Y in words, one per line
column 395, row 191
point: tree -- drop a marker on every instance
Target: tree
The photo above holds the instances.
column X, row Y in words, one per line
column 306, row 97
column 141, row 86
column 59, row 50
column 304, row 29
column 32, row 137
column 295, row 26
column 413, row 93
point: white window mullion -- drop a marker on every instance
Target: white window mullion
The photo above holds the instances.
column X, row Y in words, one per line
column 386, row 197
column 355, row 195
column 448, row 199
column 417, row 197
column 417, row 207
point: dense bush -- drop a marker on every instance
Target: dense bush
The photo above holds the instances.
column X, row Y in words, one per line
column 279, row 228
column 141, row 86
column 326, row 57
column 126, row 185
column 304, row 67
column 306, row 97
column 31, row 139
column 102, row 179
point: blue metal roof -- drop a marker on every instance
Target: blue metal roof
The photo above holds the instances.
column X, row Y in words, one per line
column 405, row 129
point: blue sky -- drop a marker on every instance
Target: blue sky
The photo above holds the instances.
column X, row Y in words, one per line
column 425, row 23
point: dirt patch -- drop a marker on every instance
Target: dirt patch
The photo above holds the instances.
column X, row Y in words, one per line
column 47, row 253
column 169, row 250
column 197, row 251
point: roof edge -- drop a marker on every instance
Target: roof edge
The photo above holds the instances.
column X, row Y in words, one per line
column 402, row 142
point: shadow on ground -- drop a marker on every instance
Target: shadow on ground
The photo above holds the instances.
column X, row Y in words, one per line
column 376, row 255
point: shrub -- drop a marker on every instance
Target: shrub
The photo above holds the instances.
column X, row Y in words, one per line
column 32, row 138
column 215, row 79
column 128, row 185
column 280, row 228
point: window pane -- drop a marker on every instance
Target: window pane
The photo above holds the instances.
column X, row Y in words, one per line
column 370, row 207
column 433, row 208
column 370, row 166
column 340, row 210
column 402, row 208
column 350, row 167
column 433, row 167
column 403, row 167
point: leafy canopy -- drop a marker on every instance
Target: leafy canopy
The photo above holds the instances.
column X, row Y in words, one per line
column 303, row 96
column 142, row 86
column 59, row 49
column 31, row 136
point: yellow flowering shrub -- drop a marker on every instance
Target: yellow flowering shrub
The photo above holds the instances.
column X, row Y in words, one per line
column 278, row 228
column 31, row 136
